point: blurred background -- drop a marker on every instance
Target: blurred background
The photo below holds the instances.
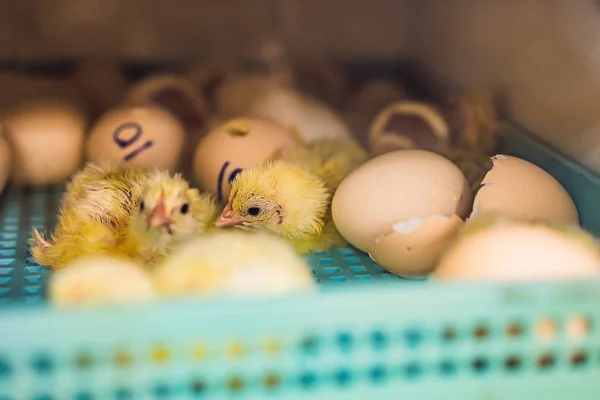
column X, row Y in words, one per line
column 541, row 55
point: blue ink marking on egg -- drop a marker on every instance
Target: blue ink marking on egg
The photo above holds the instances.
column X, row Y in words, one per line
column 127, row 125
column 123, row 143
column 137, row 151
column 220, row 182
column 234, row 174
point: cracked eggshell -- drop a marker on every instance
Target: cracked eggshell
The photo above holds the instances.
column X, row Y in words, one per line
column 397, row 186
column 236, row 144
column 413, row 247
column 513, row 251
column 522, row 190
column 312, row 118
column 408, row 125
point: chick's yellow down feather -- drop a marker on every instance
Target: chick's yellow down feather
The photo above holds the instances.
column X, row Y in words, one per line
column 233, row 263
column 123, row 211
column 329, row 159
column 286, row 200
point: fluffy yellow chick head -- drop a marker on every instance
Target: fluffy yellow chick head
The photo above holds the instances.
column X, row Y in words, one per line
column 165, row 211
column 277, row 197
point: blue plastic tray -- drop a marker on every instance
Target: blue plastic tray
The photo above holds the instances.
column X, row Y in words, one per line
column 367, row 334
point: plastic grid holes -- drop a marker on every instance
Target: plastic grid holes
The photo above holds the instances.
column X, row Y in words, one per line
column 21, row 209
column 22, row 280
column 410, row 367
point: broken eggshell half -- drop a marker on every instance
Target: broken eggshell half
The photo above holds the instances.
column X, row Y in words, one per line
column 408, row 125
column 414, row 246
column 523, row 190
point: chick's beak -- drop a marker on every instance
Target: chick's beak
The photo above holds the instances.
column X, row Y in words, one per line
column 227, row 218
column 158, row 217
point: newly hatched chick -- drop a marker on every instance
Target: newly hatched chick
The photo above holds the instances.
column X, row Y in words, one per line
column 93, row 216
column 126, row 212
column 169, row 213
column 100, row 280
column 284, row 199
column 234, row 263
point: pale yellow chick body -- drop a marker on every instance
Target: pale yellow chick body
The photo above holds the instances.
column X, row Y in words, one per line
column 291, row 197
column 234, row 263
column 284, row 199
column 123, row 211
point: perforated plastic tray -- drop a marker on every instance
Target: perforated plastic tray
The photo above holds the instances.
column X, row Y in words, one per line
column 367, row 334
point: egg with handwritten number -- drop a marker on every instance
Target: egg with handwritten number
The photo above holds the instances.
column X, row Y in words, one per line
column 144, row 136
column 46, row 138
column 236, row 144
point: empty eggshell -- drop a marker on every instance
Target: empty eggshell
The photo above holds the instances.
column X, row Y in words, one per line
column 500, row 250
column 5, row 161
column 312, row 118
column 523, row 190
column 236, row 144
column 172, row 92
column 414, row 246
column 99, row 280
column 399, row 200
column 177, row 95
column 144, row 136
column 46, row 138
column 408, row 125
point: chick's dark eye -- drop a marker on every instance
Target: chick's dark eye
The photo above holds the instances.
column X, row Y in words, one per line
column 142, row 205
column 254, row 211
column 185, row 208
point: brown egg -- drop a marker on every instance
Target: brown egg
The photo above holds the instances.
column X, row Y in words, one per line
column 46, row 139
column 144, row 136
column 5, row 161
column 236, row 144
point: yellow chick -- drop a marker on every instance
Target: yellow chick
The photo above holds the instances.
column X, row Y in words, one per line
column 234, row 263
column 284, row 199
column 169, row 213
column 125, row 212
column 98, row 280
column 329, row 159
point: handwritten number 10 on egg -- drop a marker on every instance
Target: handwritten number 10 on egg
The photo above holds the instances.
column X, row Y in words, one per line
column 143, row 136
column 125, row 143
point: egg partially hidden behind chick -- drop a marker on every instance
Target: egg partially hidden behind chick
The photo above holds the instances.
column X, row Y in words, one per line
column 46, row 139
column 98, row 280
column 523, row 190
column 236, row 144
column 234, row 263
column 498, row 249
column 401, row 208
column 143, row 136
